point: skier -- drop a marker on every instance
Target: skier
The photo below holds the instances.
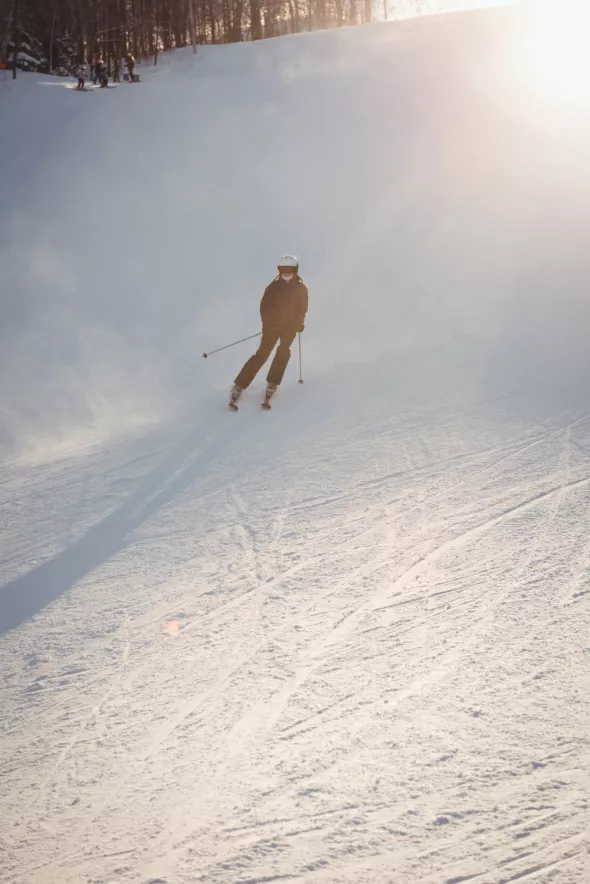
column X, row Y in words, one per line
column 131, row 67
column 282, row 310
column 103, row 74
column 81, row 74
column 117, row 71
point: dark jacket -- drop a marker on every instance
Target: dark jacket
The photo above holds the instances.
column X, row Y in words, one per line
column 284, row 304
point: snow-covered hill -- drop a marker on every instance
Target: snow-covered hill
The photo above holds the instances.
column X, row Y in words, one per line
column 346, row 641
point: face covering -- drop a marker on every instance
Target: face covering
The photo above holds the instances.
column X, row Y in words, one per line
column 287, row 276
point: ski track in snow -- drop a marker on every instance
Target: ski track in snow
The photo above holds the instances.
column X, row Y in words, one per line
column 279, row 679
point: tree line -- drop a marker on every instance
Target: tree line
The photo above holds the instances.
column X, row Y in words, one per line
column 55, row 35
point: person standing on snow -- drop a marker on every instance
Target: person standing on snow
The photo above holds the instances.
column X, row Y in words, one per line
column 103, row 74
column 81, row 74
column 282, row 310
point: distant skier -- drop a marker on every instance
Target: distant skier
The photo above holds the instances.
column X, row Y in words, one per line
column 117, row 71
column 103, row 74
column 81, row 74
column 131, row 67
column 282, row 310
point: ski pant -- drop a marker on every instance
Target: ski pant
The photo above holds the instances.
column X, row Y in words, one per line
column 270, row 336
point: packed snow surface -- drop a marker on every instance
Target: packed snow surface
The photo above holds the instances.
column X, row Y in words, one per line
column 348, row 640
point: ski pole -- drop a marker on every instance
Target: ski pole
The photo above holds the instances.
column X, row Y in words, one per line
column 211, row 352
column 300, row 376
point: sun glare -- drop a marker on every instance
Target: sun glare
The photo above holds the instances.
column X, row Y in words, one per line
column 556, row 48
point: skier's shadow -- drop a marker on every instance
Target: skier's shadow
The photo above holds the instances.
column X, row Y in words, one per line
column 24, row 597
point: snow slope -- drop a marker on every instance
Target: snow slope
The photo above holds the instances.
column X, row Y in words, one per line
column 348, row 640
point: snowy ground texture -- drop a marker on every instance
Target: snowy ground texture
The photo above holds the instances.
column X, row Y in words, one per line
column 348, row 640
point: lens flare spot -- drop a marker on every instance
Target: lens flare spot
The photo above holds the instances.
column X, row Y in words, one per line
column 172, row 627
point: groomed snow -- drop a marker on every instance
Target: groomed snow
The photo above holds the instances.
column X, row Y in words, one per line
column 348, row 640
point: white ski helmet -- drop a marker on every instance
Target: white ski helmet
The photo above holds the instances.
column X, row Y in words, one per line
column 289, row 261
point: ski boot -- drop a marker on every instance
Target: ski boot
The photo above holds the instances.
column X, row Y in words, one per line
column 236, row 392
column 271, row 389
